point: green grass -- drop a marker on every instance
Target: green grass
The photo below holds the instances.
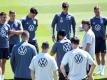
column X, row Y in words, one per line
column 82, row 9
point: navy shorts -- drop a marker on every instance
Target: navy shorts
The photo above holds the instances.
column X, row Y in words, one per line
column 4, row 53
column 34, row 43
column 100, row 45
column 21, row 79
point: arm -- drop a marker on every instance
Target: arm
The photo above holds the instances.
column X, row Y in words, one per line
column 55, row 75
column 62, row 68
column 12, row 61
column 53, row 50
column 87, row 47
column 73, row 26
column 33, row 75
column 93, row 65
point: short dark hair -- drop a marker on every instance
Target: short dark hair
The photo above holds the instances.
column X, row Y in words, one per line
column 45, row 45
column 25, row 34
column 65, row 5
column 61, row 33
column 33, row 10
column 86, row 22
column 11, row 12
column 2, row 13
column 96, row 7
column 75, row 40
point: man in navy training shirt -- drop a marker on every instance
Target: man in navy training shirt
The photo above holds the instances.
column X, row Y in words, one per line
column 4, row 43
column 63, row 21
column 30, row 24
column 22, row 55
column 16, row 26
column 62, row 46
column 99, row 24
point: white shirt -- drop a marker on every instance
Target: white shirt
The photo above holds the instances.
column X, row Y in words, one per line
column 43, row 65
column 77, row 60
column 89, row 38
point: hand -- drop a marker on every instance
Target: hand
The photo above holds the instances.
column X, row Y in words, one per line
column 105, row 37
column 53, row 38
column 89, row 77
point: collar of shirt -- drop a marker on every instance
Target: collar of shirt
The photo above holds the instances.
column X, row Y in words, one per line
column 64, row 14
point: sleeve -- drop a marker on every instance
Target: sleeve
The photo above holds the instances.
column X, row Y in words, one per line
column 32, row 67
column 23, row 23
column 54, row 65
column 55, row 20
column 12, row 60
column 89, row 59
column 88, row 38
column 73, row 25
column 65, row 59
column 54, row 48
column 34, row 51
column 20, row 26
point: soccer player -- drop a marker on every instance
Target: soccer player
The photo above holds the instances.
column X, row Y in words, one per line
column 4, row 43
column 16, row 26
column 62, row 46
column 89, row 40
column 22, row 54
column 63, row 21
column 77, row 60
column 99, row 24
column 30, row 23
column 43, row 66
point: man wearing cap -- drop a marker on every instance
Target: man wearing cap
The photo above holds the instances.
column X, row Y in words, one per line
column 89, row 40
column 63, row 21
column 30, row 23
column 62, row 46
column 77, row 60
column 99, row 24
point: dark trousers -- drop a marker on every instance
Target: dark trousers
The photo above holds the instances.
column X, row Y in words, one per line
column 21, row 79
column 34, row 43
column 61, row 77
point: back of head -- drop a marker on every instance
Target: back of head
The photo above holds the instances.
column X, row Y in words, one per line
column 11, row 12
column 45, row 45
column 25, row 36
column 62, row 33
column 75, row 40
column 2, row 13
column 65, row 5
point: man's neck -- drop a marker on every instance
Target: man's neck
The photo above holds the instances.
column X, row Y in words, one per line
column 44, row 51
column 97, row 16
column 12, row 20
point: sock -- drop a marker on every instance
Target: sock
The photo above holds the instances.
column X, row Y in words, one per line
column 103, row 67
column 100, row 67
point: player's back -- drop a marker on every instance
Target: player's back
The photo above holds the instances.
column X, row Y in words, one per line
column 77, row 62
column 44, row 66
column 22, row 55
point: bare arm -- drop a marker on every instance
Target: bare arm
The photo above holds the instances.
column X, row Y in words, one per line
column 55, row 75
column 33, row 75
column 63, row 70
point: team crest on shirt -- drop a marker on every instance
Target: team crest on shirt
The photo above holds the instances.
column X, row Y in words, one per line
column 22, row 50
column 61, row 20
column 3, row 32
column 78, row 58
column 97, row 27
column 31, row 27
column 42, row 62
column 67, row 47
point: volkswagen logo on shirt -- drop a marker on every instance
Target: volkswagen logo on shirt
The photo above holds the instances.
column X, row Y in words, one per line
column 97, row 27
column 22, row 50
column 42, row 62
column 31, row 27
column 3, row 32
column 78, row 58
column 66, row 47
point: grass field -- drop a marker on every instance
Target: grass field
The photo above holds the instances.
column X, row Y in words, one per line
column 81, row 9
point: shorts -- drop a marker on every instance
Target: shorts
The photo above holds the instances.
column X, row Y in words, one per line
column 34, row 43
column 4, row 53
column 21, row 79
column 100, row 45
